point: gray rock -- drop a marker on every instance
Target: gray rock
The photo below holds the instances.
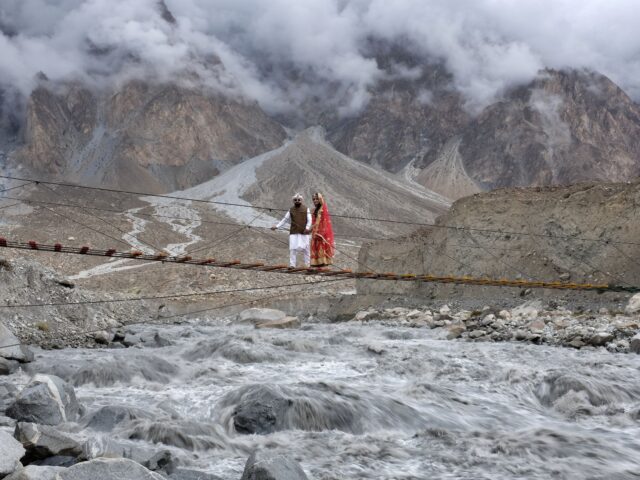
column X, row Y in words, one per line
column 161, row 340
column 97, row 447
column 634, row 344
column 265, row 409
column 42, row 441
column 107, row 418
column 162, row 460
column 634, row 304
column 263, row 467
column 11, row 348
column 260, row 315
column 103, row 337
column 33, row 472
column 600, row 338
column 187, row 474
column 47, row 400
column 8, row 394
column 10, row 454
column 520, row 335
column 7, row 367
column 477, row 334
column 576, row 343
column 108, row 469
column 455, row 331
column 7, row 422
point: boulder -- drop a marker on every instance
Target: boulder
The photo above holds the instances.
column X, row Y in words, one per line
column 599, row 339
column 266, row 467
column 634, row 344
column 528, row 310
column 7, row 367
column 10, row 454
column 162, row 460
column 108, row 417
column 11, row 348
column 634, row 304
column 260, row 315
column 260, row 411
column 455, row 331
column 286, row 322
column 33, row 472
column 42, row 441
column 7, row 422
column 477, row 334
column 47, row 400
column 8, row 394
column 103, row 337
column 102, row 446
column 108, row 469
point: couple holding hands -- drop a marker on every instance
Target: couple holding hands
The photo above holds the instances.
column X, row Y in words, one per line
column 309, row 233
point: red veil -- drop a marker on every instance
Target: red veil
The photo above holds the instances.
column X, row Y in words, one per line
column 322, row 242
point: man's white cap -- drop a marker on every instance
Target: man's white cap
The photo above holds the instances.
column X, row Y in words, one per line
column 297, row 196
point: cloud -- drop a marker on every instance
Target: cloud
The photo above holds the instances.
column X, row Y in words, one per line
column 284, row 52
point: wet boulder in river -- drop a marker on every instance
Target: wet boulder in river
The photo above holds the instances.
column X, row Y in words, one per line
column 108, row 417
column 47, row 400
column 265, row 409
column 261, row 410
column 262, row 466
column 108, row 469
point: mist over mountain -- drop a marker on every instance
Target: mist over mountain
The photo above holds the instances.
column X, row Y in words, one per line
column 283, row 52
column 457, row 96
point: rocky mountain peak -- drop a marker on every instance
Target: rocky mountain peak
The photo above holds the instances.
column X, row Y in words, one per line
column 563, row 127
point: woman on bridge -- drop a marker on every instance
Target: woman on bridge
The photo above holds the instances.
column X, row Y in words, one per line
column 322, row 241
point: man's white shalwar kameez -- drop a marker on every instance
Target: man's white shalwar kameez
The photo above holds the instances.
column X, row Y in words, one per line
column 298, row 242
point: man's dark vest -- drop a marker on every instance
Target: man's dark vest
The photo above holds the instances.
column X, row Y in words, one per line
column 298, row 219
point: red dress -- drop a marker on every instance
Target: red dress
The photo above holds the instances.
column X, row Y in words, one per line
column 322, row 242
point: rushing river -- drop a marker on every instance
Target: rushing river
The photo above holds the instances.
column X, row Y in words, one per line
column 363, row 401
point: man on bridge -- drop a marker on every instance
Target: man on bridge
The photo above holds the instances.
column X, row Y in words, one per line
column 299, row 218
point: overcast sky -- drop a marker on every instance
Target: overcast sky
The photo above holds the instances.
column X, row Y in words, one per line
column 486, row 44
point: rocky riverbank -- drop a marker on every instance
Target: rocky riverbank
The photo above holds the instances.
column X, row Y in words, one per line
column 531, row 322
